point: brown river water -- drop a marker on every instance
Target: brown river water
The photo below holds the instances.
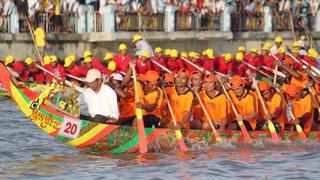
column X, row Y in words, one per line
column 28, row 153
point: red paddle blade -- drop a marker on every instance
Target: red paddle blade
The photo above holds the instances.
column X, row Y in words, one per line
column 302, row 135
column 180, row 141
column 141, row 133
column 247, row 138
column 273, row 132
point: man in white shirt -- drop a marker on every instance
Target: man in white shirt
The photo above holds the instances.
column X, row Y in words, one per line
column 100, row 99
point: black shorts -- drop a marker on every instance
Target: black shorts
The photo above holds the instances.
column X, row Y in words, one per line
column 148, row 121
column 246, row 124
column 260, row 124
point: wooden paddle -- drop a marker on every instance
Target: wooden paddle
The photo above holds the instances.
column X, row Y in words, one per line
column 216, row 133
column 307, row 65
column 34, row 40
column 302, row 135
column 244, row 131
column 201, row 68
column 180, row 140
column 141, row 132
column 271, row 127
column 254, row 68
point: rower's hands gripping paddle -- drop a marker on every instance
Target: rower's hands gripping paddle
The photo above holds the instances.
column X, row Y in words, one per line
column 180, row 140
column 271, row 127
column 302, row 135
column 216, row 133
column 141, row 132
column 244, row 131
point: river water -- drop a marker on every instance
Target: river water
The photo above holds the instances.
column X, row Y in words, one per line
column 26, row 153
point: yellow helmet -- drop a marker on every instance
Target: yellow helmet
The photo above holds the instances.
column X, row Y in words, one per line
column 167, row 52
column 157, row 50
column 296, row 50
column 136, row 38
column 87, row 60
column 296, row 44
column 87, row 53
column 46, row 60
column 73, row 57
column 174, row 53
column 228, row 56
column 112, row 66
column 241, row 48
column 9, row 59
column 122, row 47
column 67, row 61
column 278, row 39
column 239, row 56
column 53, row 58
column 313, row 53
column 184, row 54
column 145, row 54
column 209, row 53
column 255, row 50
column 267, row 46
column 108, row 56
column 196, row 55
column 192, row 54
column 28, row 60
column 281, row 49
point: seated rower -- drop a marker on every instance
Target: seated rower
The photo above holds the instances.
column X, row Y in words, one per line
column 181, row 98
column 55, row 68
column 215, row 103
column 17, row 69
column 246, row 103
column 275, row 106
column 302, row 106
column 100, row 99
column 35, row 74
column 197, row 112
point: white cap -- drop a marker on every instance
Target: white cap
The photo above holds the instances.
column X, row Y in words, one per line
column 92, row 75
column 116, row 76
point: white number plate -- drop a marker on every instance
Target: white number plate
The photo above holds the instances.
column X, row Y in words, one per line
column 70, row 127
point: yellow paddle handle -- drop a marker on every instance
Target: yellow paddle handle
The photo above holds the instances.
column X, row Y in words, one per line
column 139, row 114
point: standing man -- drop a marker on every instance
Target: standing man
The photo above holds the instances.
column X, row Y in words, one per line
column 141, row 45
column 100, row 99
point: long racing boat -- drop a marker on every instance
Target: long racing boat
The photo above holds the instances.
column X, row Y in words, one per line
column 107, row 138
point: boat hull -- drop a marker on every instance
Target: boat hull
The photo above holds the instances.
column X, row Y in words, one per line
column 105, row 138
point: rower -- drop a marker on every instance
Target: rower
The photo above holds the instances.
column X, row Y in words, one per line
column 141, row 45
column 311, row 58
column 246, row 103
column 209, row 60
column 277, row 44
column 253, row 59
column 55, row 68
column 150, row 99
column 73, row 69
column 143, row 63
column 122, row 59
column 194, row 58
column 226, row 64
column 35, row 74
column 18, row 67
column 109, row 63
column 197, row 111
column 267, row 59
column 168, row 80
column 302, row 106
column 93, row 62
column 99, row 98
column 181, row 98
column 159, row 59
column 174, row 63
column 215, row 103
column 275, row 106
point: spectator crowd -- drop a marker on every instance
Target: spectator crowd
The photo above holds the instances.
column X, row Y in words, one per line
column 246, row 14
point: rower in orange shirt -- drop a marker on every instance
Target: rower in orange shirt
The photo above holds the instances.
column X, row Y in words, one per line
column 215, row 103
column 246, row 103
column 275, row 106
column 150, row 98
column 197, row 112
column 302, row 106
column 181, row 98
column 35, row 74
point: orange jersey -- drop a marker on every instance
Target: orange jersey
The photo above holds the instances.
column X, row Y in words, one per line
column 155, row 96
column 127, row 106
column 181, row 104
column 246, row 105
column 276, row 102
column 217, row 107
column 301, row 107
column 197, row 111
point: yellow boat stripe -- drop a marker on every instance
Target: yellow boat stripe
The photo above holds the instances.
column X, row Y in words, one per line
column 25, row 108
column 87, row 136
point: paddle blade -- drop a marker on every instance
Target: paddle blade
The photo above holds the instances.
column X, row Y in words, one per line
column 247, row 138
column 302, row 135
column 141, row 133
column 218, row 139
column 273, row 132
column 180, row 141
